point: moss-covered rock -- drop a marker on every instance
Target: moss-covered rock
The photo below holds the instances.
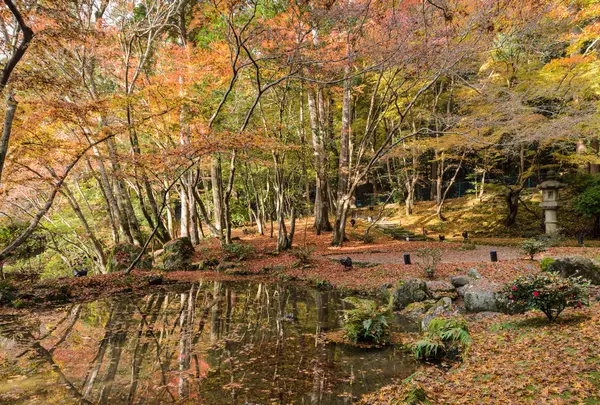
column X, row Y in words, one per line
column 177, row 255
column 123, row 254
column 409, row 291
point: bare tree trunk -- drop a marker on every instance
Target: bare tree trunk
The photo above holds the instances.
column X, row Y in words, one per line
column 9, row 65
column 9, row 116
column 343, row 199
column 321, row 196
column 581, row 149
column 450, row 184
column 595, row 146
column 129, row 221
column 184, row 222
column 216, row 177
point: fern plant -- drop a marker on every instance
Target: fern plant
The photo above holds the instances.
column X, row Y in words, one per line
column 366, row 322
column 445, row 337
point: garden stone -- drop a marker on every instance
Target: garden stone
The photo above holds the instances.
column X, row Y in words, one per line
column 409, row 291
column 576, row 266
column 155, row 280
column 413, row 312
column 123, row 254
column 440, row 289
column 441, row 308
column 461, row 290
column 178, row 255
column 460, row 281
column 473, row 273
column 481, row 297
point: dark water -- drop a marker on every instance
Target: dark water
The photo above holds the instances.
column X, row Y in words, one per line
column 214, row 343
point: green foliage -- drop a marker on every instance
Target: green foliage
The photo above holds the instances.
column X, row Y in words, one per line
column 33, row 246
column 445, row 337
column 588, row 202
column 18, row 303
column 238, row 251
column 366, row 322
column 547, row 292
column 323, row 285
column 545, row 263
column 431, row 258
column 531, row 247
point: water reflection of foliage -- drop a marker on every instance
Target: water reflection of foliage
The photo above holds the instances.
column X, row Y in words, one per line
column 214, row 342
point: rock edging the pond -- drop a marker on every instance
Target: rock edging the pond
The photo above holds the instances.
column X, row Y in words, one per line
column 576, row 266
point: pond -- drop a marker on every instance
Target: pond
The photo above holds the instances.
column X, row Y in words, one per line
column 211, row 343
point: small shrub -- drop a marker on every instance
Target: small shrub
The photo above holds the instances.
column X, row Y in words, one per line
column 431, row 258
column 366, row 238
column 18, row 304
column 444, row 338
column 249, row 231
column 468, row 245
column 303, row 255
column 366, row 322
column 545, row 263
column 237, row 251
column 531, row 247
column 323, row 285
column 547, row 292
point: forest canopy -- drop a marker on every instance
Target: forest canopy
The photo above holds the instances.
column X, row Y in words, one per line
column 135, row 121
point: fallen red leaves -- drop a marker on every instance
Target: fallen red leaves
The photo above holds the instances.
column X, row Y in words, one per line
column 517, row 360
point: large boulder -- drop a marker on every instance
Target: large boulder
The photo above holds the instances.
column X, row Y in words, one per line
column 442, row 308
column 409, row 291
column 177, row 255
column 123, row 254
column 441, row 289
column 576, row 266
column 482, row 296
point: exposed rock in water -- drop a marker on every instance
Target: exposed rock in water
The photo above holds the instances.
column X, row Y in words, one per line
column 123, row 254
column 178, row 255
column 413, row 290
column 440, row 289
column 576, row 266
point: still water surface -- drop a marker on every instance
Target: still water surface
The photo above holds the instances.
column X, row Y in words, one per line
column 212, row 343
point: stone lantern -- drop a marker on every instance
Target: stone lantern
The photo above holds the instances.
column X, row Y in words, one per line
column 550, row 201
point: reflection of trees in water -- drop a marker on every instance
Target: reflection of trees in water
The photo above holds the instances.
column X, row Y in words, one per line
column 261, row 346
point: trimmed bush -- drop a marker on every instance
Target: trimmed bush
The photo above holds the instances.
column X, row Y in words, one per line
column 366, row 322
column 545, row 263
column 547, row 292
column 531, row 247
